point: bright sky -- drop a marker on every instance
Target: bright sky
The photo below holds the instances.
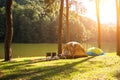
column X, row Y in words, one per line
column 107, row 10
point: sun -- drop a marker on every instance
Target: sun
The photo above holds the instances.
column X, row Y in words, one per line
column 107, row 10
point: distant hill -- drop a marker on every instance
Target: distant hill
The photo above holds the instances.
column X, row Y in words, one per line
column 108, row 30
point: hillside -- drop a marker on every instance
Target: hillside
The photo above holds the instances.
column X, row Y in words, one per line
column 38, row 23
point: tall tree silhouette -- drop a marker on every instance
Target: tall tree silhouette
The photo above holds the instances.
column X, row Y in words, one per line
column 67, row 21
column 60, row 28
column 98, row 21
column 118, row 26
column 9, row 31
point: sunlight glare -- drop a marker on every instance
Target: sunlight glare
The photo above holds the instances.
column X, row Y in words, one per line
column 107, row 10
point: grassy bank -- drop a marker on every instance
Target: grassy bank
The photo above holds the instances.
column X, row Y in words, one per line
column 105, row 67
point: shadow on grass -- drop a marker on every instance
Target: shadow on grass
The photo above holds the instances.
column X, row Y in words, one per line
column 12, row 64
column 118, row 76
column 44, row 72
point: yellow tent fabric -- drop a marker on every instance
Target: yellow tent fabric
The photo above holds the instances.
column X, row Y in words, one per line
column 73, row 50
column 94, row 51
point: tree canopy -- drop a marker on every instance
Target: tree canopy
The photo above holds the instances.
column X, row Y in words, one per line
column 37, row 21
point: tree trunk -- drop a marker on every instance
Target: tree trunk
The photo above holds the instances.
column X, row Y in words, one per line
column 60, row 28
column 118, row 26
column 9, row 31
column 98, row 21
column 67, row 22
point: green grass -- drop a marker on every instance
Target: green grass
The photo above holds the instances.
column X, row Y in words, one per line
column 105, row 67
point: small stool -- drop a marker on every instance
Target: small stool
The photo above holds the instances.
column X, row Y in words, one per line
column 53, row 54
column 48, row 56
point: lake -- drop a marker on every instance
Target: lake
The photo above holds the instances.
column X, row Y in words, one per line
column 32, row 50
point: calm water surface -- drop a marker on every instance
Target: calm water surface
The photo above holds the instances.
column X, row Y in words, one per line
column 31, row 50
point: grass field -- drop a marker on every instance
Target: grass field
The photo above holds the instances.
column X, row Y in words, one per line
column 106, row 67
column 33, row 50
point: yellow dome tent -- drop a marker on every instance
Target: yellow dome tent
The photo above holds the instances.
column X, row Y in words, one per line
column 73, row 50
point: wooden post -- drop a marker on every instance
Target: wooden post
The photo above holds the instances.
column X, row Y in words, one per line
column 9, row 31
column 67, row 21
column 60, row 28
column 98, row 21
column 118, row 26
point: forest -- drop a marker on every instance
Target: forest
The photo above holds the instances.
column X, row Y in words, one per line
column 59, row 39
column 36, row 21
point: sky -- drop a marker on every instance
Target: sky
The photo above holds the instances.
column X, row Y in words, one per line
column 107, row 10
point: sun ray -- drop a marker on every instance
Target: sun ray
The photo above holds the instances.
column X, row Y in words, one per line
column 107, row 10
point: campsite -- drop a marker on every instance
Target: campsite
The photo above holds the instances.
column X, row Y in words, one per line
column 59, row 39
